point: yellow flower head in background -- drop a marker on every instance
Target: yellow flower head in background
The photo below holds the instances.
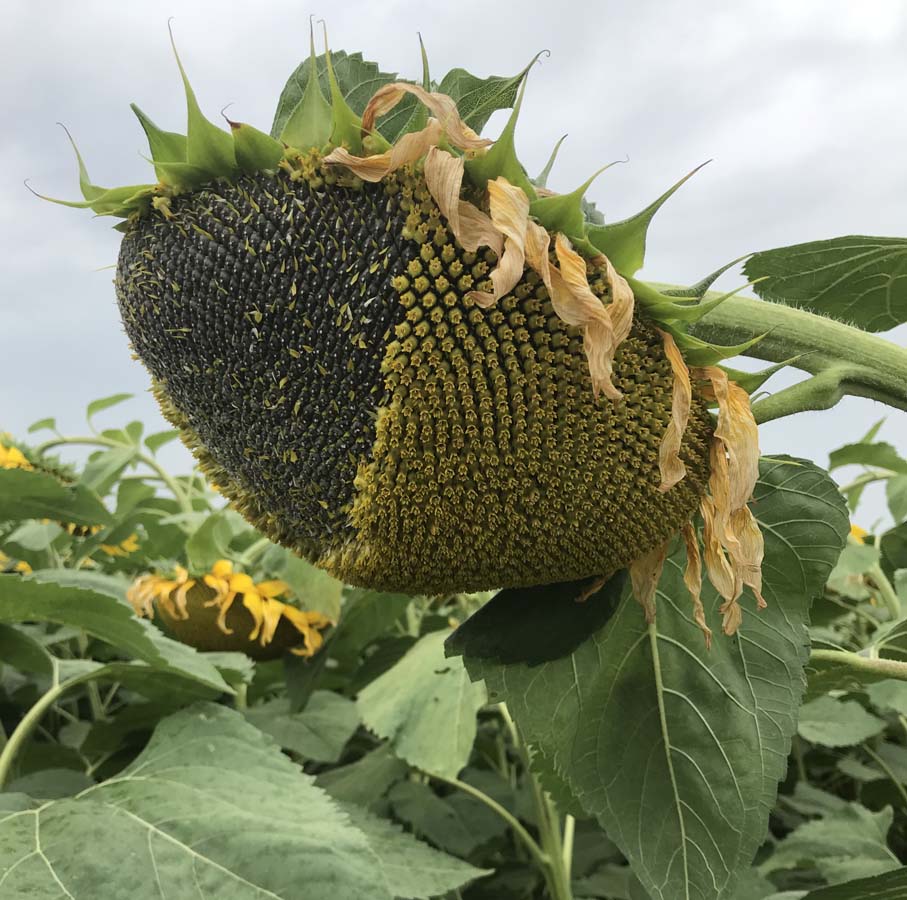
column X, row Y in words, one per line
column 13, row 458
column 203, row 612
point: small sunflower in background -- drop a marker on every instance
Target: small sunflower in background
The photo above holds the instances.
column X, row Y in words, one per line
column 226, row 610
column 12, row 457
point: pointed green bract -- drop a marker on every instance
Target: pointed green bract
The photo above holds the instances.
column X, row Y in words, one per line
column 181, row 175
column 564, row 212
column 501, row 158
column 309, row 124
column 113, row 202
column 667, row 308
column 541, row 180
column 255, row 151
column 165, row 146
column 752, row 381
column 207, row 146
column 697, row 291
column 698, row 352
column 624, row 243
column 346, row 126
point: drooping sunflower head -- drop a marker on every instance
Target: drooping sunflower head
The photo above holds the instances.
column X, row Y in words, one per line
column 227, row 610
column 421, row 369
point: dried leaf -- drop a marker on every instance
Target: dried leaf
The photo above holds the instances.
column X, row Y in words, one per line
column 669, row 462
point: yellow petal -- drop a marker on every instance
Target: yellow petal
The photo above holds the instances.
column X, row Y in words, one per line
column 240, row 583
column 225, row 605
column 255, row 604
column 222, row 568
column 272, row 588
column 442, row 107
column 692, row 578
column 272, row 610
column 180, row 598
column 645, row 573
column 732, row 616
column 669, row 462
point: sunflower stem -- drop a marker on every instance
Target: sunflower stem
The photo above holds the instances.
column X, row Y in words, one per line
column 842, row 360
column 884, row 668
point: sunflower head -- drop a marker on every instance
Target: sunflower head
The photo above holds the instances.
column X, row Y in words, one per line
column 227, row 610
column 406, row 360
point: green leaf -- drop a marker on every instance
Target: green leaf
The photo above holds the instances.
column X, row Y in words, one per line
column 889, row 696
column 896, row 494
column 367, row 615
column 24, row 653
column 426, row 707
column 454, row 828
column 357, row 79
column 104, row 617
column 319, row 732
column 881, row 456
column 536, row 624
column 209, row 542
column 888, row 886
column 35, row 495
column 675, row 749
column 412, row 869
column 837, row 723
column 155, row 441
column 624, row 243
column 849, row 840
column 210, row 808
column 104, row 468
column 103, row 403
column 366, row 780
column 477, row 98
column 860, row 280
column 41, row 424
column 34, row 536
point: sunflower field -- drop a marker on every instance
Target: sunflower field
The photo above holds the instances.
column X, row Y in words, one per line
column 481, row 588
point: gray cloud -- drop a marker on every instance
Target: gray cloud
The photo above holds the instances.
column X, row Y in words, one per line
column 798, row 104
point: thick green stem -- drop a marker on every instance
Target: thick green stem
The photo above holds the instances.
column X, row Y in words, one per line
column 29, row 723
column 884, row 668
column 886, row 591
column 842, row 360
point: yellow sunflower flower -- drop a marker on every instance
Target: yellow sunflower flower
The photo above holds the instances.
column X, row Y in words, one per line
column 124, row 548
column 13, row 458
column 203, row 613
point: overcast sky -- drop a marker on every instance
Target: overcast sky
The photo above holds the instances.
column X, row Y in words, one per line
column 800, row 104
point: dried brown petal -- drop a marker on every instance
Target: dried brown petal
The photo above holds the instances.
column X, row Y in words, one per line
column 720, row 571
column 442, row 107
column 408, row 149
column 645, row 573
column 692, row 578
column 669, row 462
column 509, row 208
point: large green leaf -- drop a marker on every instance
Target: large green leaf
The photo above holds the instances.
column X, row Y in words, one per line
column 319, row 732
column 358, row 79
column 426, row 707
column 34, row 495
column 837, row 723
column 211, row 808
column 890, row 886
column 477, row 98
column 861, row 280
column 106, row 618
column 677, row 750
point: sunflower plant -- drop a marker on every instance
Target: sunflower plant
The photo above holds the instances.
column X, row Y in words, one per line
column 492, row 554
